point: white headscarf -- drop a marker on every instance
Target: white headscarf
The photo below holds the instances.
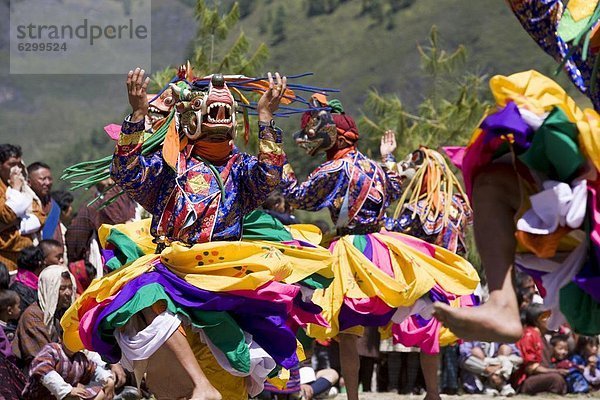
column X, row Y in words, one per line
column 48, row 290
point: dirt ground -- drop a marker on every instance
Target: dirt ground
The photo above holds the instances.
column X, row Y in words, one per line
column 392, row 396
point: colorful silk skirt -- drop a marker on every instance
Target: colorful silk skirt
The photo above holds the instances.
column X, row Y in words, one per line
column 554, row 147
column 238, row 303
column 386, row 277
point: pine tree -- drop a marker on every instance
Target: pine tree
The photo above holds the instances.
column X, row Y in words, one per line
column 447, row 116
column 209, row 53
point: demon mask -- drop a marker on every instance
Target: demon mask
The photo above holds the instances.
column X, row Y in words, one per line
column 318, row 133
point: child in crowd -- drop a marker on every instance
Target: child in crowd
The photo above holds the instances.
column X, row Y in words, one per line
column 276, row 206
column 57, row 373
column 591, row 373
column 30, row 264
column 586, row 349
column 576, row 383
column 54, row 252
column 84, row 273
column 12, row 379
column 10, row 309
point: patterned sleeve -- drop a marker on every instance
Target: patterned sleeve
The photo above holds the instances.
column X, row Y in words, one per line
column 46, row 360
column 540, row 19
column 321, row 189
column 44, row 366
column 393, row 185
column 262, row 174
column 140, row 176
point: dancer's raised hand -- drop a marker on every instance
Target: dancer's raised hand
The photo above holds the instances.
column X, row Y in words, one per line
column 388, row 143
column 136, row 91
column 269, row 102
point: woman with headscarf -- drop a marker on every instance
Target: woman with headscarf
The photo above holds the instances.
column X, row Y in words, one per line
column 40, row 322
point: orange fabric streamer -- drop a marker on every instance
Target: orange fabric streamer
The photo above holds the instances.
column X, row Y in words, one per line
column 543, row 246
column 171, row 145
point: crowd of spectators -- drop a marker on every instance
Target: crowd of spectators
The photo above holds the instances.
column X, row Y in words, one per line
column 42, row 248
column 49, row 254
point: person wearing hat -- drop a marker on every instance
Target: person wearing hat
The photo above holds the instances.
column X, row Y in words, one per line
column 379, row 276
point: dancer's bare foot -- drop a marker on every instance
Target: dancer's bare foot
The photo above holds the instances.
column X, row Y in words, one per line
column 433, row 396
column 494, row 321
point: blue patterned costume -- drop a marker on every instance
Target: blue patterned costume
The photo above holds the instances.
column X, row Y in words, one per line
column 541, row 18
column 377, row 274
column 372, row 189
column 187, row 205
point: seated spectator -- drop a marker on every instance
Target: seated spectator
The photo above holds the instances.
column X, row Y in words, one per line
column 586, row 346
column 20, row 216
column 275, row 205
column 40, row 322
column 319, row 384
column 64, row 199
column 576, row 382
column 84, row 273
column 524, row 283
column 39, row 177
column 536, row 374
column 10, row 310
column 586, row 349
column 81, row 238
column 591, row 374
column 11, row 378
column 30, row 264
column 487, row 367
column 58, row 373
column 53, row 252
column 304, row 384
